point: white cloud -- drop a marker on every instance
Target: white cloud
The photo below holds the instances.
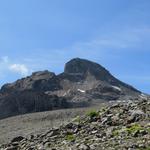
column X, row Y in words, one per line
column 6, row 64
column 19, row 68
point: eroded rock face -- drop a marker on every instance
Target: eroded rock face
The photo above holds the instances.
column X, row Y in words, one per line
column 83, row 79
column 81, row 83
column 29, row 101
column 83, row 67
column 38, row 81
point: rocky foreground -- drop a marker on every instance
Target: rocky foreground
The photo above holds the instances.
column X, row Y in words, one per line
column 119, row 126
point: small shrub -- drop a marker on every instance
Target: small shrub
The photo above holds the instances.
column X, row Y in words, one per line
column 70, row 137
column 93, row 113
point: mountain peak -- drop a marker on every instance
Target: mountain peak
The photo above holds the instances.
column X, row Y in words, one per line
column 83, row 66
column 78, row 65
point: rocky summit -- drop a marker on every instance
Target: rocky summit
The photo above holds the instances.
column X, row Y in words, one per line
column 119, row 126
column 83, row 83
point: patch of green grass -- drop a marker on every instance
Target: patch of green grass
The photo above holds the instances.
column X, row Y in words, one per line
column 134, row 128
column 70, row 137
column 92, row 113
column 130, row 130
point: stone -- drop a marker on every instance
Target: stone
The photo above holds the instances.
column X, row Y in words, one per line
column 15, row 143
column 17, row 139
column 52, row 133
column 12, row 148
column 95, row 131
column 109, row 132
column 84, row 147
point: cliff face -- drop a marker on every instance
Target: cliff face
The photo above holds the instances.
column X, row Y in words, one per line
column 29, row 101
column 82, row 83
column 38, row 81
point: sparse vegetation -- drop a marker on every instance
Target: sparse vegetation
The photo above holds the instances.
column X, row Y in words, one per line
column 70, row 137
column 133, row 128
column 92, row 113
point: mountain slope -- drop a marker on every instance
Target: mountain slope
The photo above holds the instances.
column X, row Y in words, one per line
column 82, row 83
column 121, row 126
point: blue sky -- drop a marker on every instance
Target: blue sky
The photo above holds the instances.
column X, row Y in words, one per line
column 39, row 35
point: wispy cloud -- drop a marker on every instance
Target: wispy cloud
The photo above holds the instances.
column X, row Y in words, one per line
column 7, row 65
column 19, row 68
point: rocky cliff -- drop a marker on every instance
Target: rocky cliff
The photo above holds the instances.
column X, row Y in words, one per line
column 81, row 84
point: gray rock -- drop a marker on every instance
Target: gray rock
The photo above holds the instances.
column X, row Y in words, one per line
column 84, row 147
column 17, row 139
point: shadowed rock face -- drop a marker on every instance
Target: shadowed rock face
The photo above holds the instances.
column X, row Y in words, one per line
column 82, row 67
column 29, row 101
column 85, row 68
column 38, row 81
column 82, row 83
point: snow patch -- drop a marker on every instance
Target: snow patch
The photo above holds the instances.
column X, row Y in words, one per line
column 117, row 88
column 82, row 91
